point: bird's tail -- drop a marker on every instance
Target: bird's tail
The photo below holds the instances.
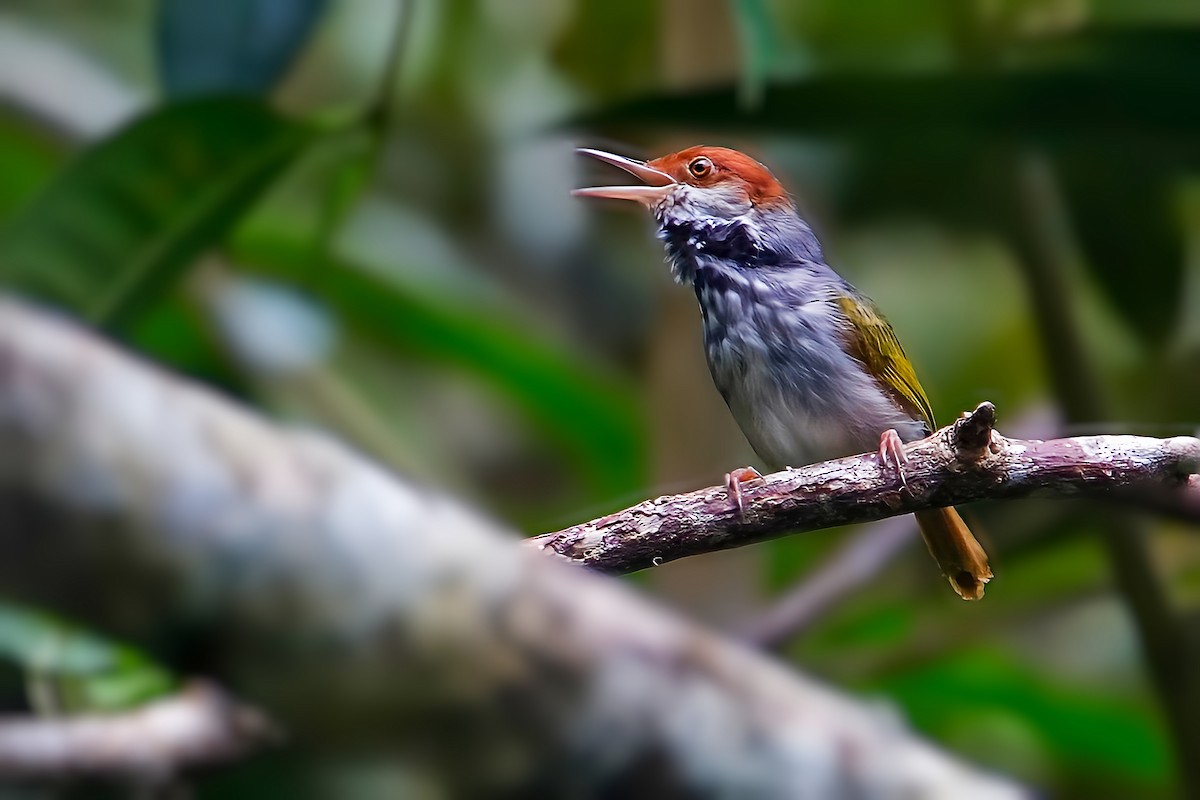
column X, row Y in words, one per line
column 950, row 542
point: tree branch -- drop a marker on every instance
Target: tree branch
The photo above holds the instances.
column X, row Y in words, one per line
column 959, row 463
column 198, row 726
column 856, row 563
column 357, row 609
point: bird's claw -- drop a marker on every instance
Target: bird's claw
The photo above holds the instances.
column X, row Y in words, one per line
column 733, row 486
column 891, row 454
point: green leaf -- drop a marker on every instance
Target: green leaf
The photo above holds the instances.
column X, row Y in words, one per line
column 870, row 34
column 1126, row 220
column 126, row 687
column 595, row 419
column 611, row 48
column 90, row 672
column 910, row 108
column 1132, row 85
column 176, row 333
column 26, row 162
column 1087, row 729
column 759, row 45
column 123, row 221
column 42, row 642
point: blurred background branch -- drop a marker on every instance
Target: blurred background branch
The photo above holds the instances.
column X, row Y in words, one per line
column 844, row 572
column 148, row 746
column 317, row 574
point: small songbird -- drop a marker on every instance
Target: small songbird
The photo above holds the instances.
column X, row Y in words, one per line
column 807, row 364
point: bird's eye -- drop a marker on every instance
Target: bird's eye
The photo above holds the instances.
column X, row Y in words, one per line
column 700, row 166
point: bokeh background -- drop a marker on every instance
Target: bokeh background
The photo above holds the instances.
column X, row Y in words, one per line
column 355, row 215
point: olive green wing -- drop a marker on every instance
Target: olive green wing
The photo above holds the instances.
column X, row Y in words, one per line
column 872, row 341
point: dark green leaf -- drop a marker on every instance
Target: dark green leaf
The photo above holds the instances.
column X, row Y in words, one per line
column 130, row 214
column 1126, row 220
column 1093, row 730
column 209, row 46
column 612, row 48
column 176, row 333
column 1049, row 106
column 1132, row 84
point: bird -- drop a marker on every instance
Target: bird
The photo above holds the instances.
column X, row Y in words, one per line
column 808, row 365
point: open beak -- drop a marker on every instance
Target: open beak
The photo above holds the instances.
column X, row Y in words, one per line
column 657, row 184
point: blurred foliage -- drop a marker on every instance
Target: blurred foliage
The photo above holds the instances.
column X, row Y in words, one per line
column 401, row 191
column 120, row 224
column 597, row 30
column 207, row 46
column 75, row 669
column 930, row 140
column 975, row 680
column 25, row 161
column 1129, row 222
column 1083, row 730
column 594, row 417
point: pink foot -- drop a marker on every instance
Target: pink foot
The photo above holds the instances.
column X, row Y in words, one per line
column 733, row 486
column 891, row 453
